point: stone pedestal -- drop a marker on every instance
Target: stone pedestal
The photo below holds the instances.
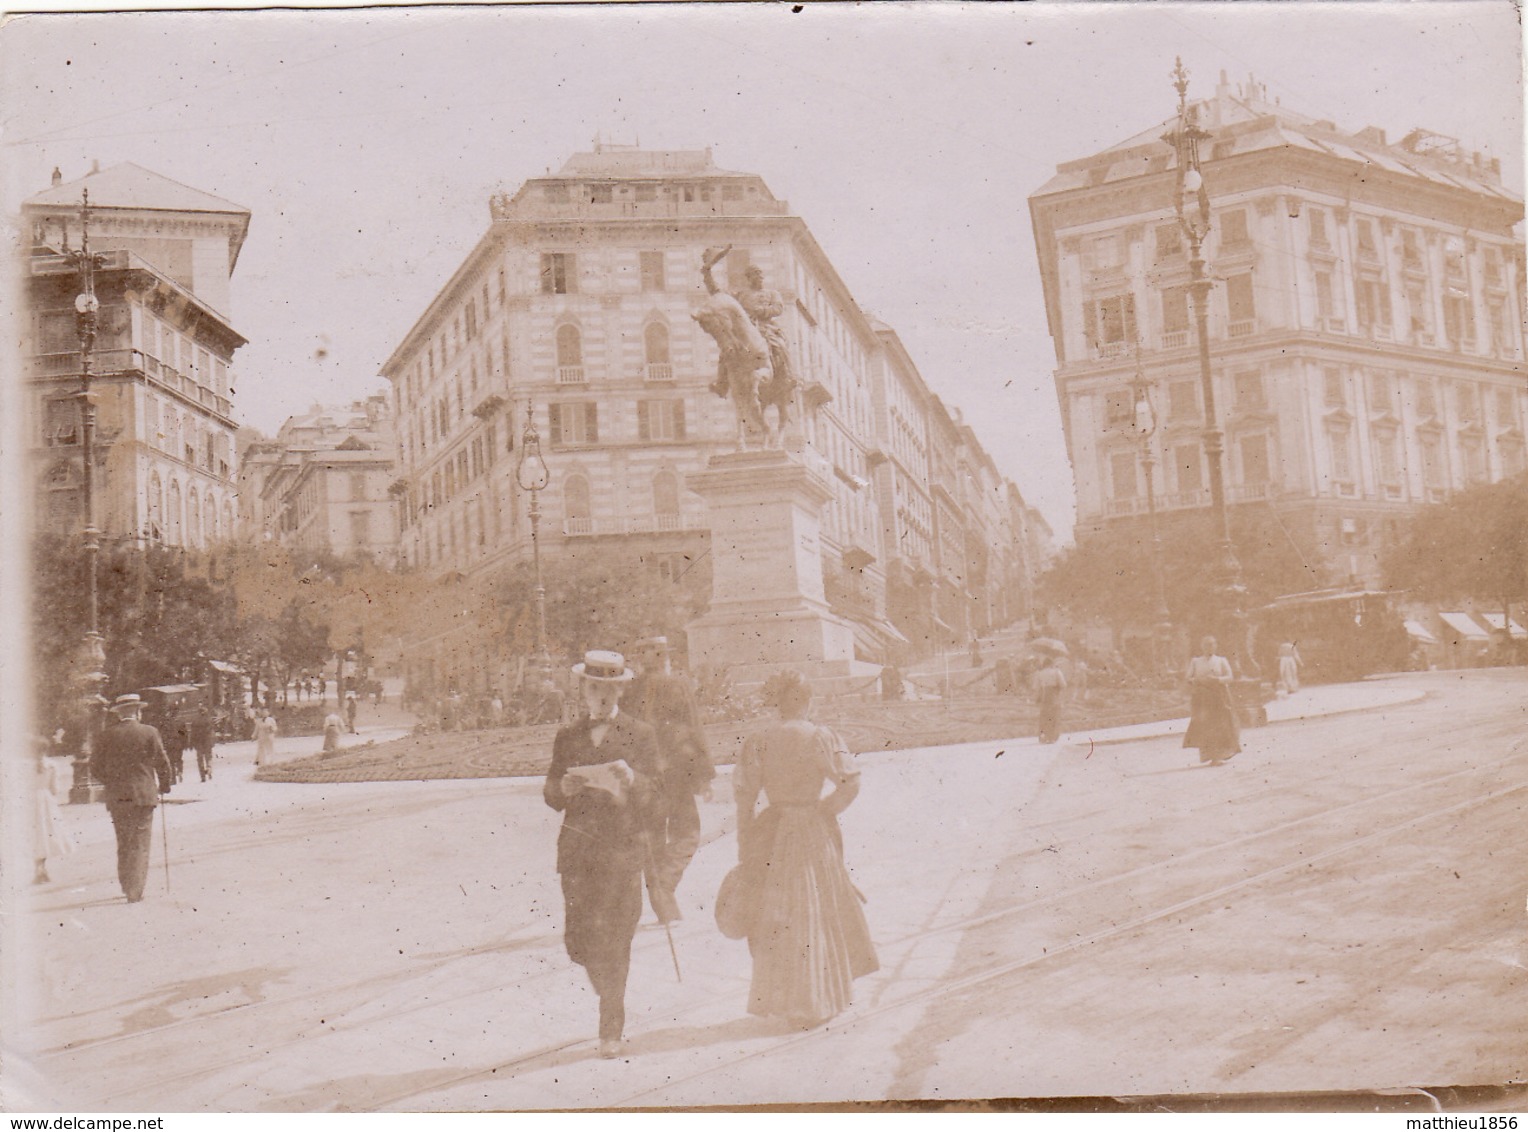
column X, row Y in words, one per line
column 768, row 610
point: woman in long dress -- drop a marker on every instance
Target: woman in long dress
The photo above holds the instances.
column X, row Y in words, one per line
column 1289, row 667
column 49, row 837
column 265, row 739
column 807, row 931
column 1212, row 718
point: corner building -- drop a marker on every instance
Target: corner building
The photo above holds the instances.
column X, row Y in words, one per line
column 1366, row 324
column 162, row 364
column 575, row 306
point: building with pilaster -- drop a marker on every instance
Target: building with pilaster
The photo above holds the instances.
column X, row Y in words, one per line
column 1366, row 324
column 161, row 365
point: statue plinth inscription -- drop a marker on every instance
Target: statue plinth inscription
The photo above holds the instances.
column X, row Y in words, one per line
column 768, row 609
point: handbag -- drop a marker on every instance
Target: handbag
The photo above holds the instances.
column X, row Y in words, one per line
column 734, row 904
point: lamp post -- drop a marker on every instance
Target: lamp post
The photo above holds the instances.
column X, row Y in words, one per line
column 1192, row 203
column 1144, row 420
column 533, row 476
column 93, row 651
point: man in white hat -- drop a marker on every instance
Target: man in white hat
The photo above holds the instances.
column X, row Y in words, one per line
column 603, row 778
column 131, row 761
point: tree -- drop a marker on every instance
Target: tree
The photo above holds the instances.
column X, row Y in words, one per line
column 1473, row 546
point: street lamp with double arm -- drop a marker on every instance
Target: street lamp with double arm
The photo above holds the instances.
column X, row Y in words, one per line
column 533, row 476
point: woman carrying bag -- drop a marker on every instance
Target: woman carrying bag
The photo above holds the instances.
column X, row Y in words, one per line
column 1212, row 718
column 806, row 930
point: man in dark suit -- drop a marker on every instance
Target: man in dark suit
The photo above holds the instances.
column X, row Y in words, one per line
column 130, row 759
column 604, row 779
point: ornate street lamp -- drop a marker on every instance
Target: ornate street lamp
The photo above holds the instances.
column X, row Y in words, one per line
column 1144, row 424
column 533, row 476
column 93, row 650
column 1192, row 203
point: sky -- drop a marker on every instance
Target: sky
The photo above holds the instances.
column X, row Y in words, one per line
column 366, row 144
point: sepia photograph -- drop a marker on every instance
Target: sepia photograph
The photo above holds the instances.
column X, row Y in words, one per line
column 926, row 556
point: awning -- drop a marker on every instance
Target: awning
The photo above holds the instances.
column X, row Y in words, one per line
column 1461, row 624
column 1419, row 631
column 1499, row 622
column 224, row 666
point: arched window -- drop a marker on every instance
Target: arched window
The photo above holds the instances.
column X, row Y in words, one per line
column 570, row 354
column 227, row 519
column 172, row 522
column 575, row 505
column 210, row 519
column 666, row 494
column 193, row 519
column 655, row 347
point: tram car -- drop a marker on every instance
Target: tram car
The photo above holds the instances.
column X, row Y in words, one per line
column 1341, row 634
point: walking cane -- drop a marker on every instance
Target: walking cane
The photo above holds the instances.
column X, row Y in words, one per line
column 647, row 844
column 164, row 829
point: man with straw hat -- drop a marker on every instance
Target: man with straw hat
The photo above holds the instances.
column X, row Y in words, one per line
column 131, row 761
column 603, row 778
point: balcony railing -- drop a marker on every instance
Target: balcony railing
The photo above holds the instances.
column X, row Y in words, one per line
column 1199, row 497
column 632, row 525
column 1243, row 492
column 660, row 371
column 1124, row 506
column 570, row 375
column 1241, row 328
column 1112, row 349
column 1174, row 339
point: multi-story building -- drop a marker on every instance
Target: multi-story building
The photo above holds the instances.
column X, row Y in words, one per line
column 161, row 375
column 326, row 482
column 575, row 306
column 1366, row 324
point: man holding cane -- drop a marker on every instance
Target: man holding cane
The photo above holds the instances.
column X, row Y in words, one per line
column 131, row 761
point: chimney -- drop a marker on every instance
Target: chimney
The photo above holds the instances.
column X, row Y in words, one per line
column 95, row 165
column 58, row 177
column 1224, row 88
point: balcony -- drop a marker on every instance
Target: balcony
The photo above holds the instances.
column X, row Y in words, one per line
column 571, row 375
column 659, row 371
column 1328, row 324
column 1124, row 506
column 1111, row 349
column 1247, row 492
column 1174, row 339
column 1198, row 497
column 632, row 525
column 1241, row 328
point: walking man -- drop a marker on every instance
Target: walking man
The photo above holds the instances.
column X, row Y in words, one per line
column 202, row 734
column 666, row 702
column 603, row 779
column 132, row 763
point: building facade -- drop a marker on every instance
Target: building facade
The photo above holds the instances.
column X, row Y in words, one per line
column 162, row 373
column 326, row 483
column 575, row 307
column 1366, row 325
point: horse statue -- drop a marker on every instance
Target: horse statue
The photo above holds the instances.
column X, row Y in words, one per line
column 743, row 369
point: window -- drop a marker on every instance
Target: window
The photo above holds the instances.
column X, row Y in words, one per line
column 556, row 193
column 1416, row 309
column 1119, row 407
column 1109, row 324
column 739, row 260
column 471, row 315
column 1506, row 409
column 1387, row 457
column 1249, row 393
column 1381, row 398
column 666, row 493
column 1432, row 459
column 1239, row 304
column 1468, row 399
column 357, row 485
column 647, row 193
column 1104, row 253
column 194, row 518
column 575, row 498
column 1254, row 458
column 1334, row 388
column 360, row 529
column 652, row 271
column 1373, row 303
column 173, row 515
column 1511, row 457
column 1341, row 444
column 1233, row 227
column 574, row 422
column 1427, row 399
column 1175, row 316
column 1474, row 455
column 655, row 345
column 1169, row 240
column 1367, row 248
column 570, row 354
column 1318, row 236
column 557, row 273
column 60, row 422
column 1122, row 470
column 1501, row 337
column 1182, row 400
column 1458, row 318
column 601, row 194
column 1326, row 300
column 156, row 508
column 1190, row 468
column 1411, row 250
column 660, row 420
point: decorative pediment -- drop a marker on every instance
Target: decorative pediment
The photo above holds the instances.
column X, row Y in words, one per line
column 857, row 558
column 1338, row 416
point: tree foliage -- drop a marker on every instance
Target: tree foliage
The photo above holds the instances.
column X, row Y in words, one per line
column 1473, row 546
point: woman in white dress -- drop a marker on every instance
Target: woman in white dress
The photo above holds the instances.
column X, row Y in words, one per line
column 265, row 739
column 49, row 838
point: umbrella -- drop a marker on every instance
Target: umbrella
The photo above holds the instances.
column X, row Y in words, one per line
column 1048, row 645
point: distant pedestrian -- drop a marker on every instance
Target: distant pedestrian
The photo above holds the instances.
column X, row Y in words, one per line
column 1289, row 667
column 1050, row 682
column 603, row 778
column 806, row 931
column 265, row 739
column 132, row 763
column 1212, row 719
column 352, row 706
column 1080, row 680
column 333, row 726
column 203, row 731
column 49, row 837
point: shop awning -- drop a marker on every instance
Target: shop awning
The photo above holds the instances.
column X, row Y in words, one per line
column 1419, row 632
column 224, row 666
column 1461, row 624
column 1499, row 622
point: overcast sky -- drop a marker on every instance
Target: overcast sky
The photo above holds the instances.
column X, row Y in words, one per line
column 366, row 144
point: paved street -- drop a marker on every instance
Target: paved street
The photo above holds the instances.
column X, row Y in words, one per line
column 1340, row 907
